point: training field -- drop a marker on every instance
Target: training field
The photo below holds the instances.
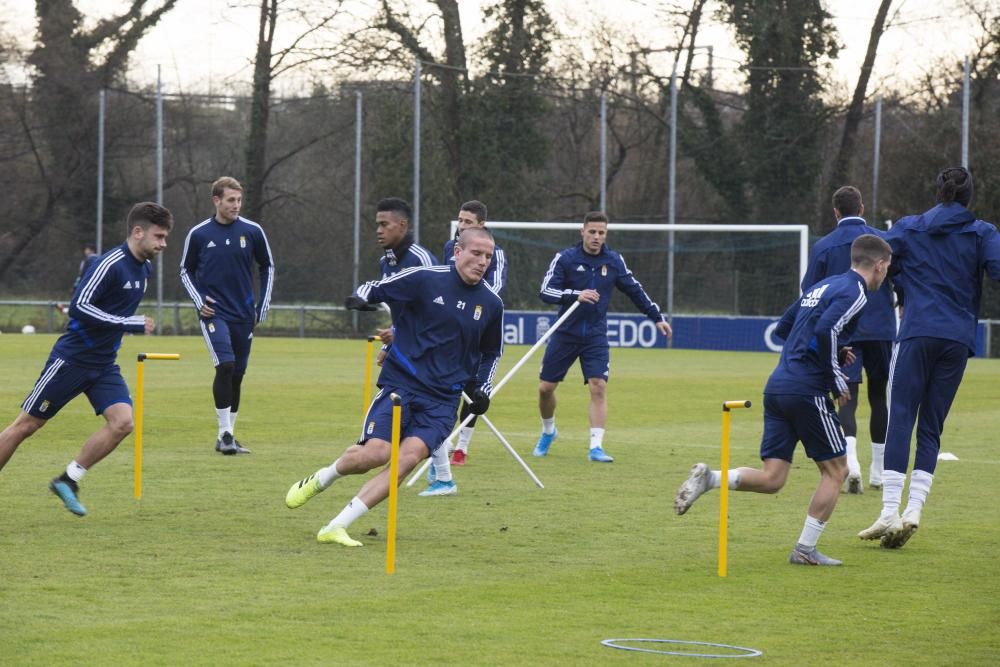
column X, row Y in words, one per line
column 211, row 568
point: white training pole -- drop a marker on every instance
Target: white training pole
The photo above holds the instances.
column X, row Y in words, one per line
column 541, row 341
column 510, row 449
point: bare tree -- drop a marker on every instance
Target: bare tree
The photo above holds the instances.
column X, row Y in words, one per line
column 839, row 174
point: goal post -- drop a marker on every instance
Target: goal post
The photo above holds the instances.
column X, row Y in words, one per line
column 725, row 269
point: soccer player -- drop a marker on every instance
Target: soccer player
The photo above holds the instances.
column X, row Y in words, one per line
column 473, row 214
column 217, row 272
column 586, row 272
column 871, row 341
column 940, row 257
column 449, row 329
column 82, row 360
column 400, row 251
column 797, row 405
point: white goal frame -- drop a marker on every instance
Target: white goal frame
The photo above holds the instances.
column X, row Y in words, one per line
column 803, row 231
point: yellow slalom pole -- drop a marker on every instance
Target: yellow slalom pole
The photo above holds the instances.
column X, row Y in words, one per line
column 139, row 389
column 139, row 367
column 368, row 374
column 390, row 546
column 724, row 485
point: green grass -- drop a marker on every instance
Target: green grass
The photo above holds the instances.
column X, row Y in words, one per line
column 211, row 568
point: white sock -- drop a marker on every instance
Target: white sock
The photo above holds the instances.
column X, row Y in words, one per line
column 548, row 425
column 223, row 416
column 442, row 464
column 715, row 479
column 811, row 531
column 892, row 492
column 920, row 486
column 75, row 471
column 232, row 422
column 852, row 455
column 353, row 511
column 596, row 437
column 328, row 475
column 464, row 438
column 878, row 453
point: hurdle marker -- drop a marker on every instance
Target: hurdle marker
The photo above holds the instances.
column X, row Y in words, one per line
column 724, row 486
column 390, row 542
column 140, row 358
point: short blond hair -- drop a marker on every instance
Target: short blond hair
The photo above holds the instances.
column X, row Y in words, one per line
column 225, row 183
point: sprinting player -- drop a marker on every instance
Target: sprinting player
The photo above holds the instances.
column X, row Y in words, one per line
column 586, row 272
column 449, row 329
column 82, row 361
column 217, row 272
column 941, row 256
column 473, row 214
column 871, row 341
column 400, row 251
column 797, row 405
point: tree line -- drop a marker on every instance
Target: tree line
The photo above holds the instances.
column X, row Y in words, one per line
column 512, row 119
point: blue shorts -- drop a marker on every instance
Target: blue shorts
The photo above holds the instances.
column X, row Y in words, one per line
column 429, row 419
column 811, row 420
column 562, row 351
column 874, row 357
column 228, row 341
column 61, row 382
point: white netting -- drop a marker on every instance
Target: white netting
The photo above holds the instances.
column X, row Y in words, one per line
column 717, row 269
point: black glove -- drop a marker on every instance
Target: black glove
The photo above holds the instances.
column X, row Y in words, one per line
column 354, row 302
column 480, row 402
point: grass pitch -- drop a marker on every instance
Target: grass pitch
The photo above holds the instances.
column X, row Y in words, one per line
column 211, row 568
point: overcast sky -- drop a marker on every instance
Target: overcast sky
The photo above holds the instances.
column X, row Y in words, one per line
column 207, row 45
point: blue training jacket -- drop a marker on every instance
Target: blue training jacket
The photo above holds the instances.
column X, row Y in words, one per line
column 573, row 270
column 218, row 262
column 813, row 328
column 103, row 308
column 496, row 275
column 447, row 331
column 940, row 256
column 407, row 256
column 831, row 256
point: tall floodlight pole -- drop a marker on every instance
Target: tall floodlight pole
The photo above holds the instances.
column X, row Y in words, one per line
column 159, row 188
column 100, row 172
column 416, row 152
column 965, row 114
column 672, row 195
column 604, row 151
column 355, row 276
column 875, row 158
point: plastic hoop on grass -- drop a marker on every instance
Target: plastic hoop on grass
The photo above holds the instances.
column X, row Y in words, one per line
column 746, row 652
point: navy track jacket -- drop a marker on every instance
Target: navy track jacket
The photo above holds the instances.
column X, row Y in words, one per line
column 447, row 332
column 813, row 328
column 832, row 256
column 103, row 308
column 407, row 256
column 218, row 262
column 939, row 258
column 573, row 270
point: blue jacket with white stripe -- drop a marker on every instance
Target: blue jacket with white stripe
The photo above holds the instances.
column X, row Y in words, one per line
column 103, row 308
column 831, row 256
column 939, row 258
column 407, row 256
column 813, row 328
column 496, row 274
column 447, row 331
column 218, row 261
column 573, row 270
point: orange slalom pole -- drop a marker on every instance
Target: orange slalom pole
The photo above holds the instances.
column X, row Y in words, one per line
column 139, row 389
column 724, row 486
column 390, row 546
